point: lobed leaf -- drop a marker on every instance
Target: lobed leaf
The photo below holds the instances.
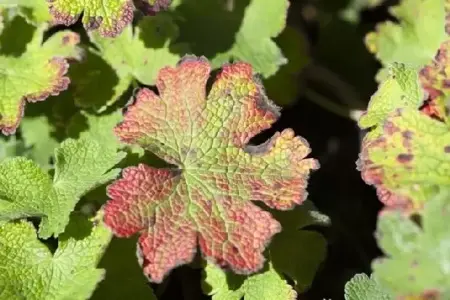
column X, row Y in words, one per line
column 28, row 191
column 206, row 197
column 416, row 259
column 108, row 17
column 31, row 271
column 35, row 75
column 294, row 252
column 410, row 158
column 415, row 39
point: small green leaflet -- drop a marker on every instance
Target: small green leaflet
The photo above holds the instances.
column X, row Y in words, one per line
column 30, row 270
column 361, row 287
column 401, row 88
column 26, row 190
column 267, row 284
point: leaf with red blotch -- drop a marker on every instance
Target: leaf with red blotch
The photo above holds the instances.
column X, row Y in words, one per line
column 207, row 199
column 35, row 75
column 409, row 161
column 151, row 7
column 435, row 79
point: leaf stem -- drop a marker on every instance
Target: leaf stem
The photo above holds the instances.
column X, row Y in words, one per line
column 331, row 106
column 343, row 90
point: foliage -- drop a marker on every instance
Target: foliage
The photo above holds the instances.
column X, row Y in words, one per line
column 145, row 154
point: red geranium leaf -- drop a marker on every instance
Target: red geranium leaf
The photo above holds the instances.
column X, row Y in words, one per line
column 206, row 198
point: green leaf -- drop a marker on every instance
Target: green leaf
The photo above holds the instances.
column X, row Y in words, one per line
column 283, row 87
column 295, row 252
column 267, row 284
column 241, row 32
column 361, row 287
column 416, row 262
column 26, row 190
column 136, row 54
column 416, row 39
column 124, row 278
column 400, row 89
column 31, row 271
column 35, row 75
column 35, row 11
column 96, row 127
column 36, row 134
column 11, row 147
column 108, row 17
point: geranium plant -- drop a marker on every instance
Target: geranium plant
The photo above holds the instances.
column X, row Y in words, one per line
column 157, row 149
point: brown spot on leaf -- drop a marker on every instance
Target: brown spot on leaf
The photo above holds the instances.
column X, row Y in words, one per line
column 404, row 158
column 447, row 149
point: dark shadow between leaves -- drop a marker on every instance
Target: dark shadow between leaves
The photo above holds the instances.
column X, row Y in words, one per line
column 93, row 80
column 13, row 44
column 208, row 26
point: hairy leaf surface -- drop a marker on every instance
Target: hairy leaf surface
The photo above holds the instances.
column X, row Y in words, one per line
column 205, row 199
column 31, row 271
column 26, row 190
column 35, row 75
column 361, row 287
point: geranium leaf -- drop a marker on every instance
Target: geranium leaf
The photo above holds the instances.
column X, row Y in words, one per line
column 206, row 199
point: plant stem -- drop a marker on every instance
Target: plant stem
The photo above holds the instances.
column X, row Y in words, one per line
column 331, row 106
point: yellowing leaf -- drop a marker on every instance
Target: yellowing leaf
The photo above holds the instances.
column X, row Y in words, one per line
column 35, row 75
